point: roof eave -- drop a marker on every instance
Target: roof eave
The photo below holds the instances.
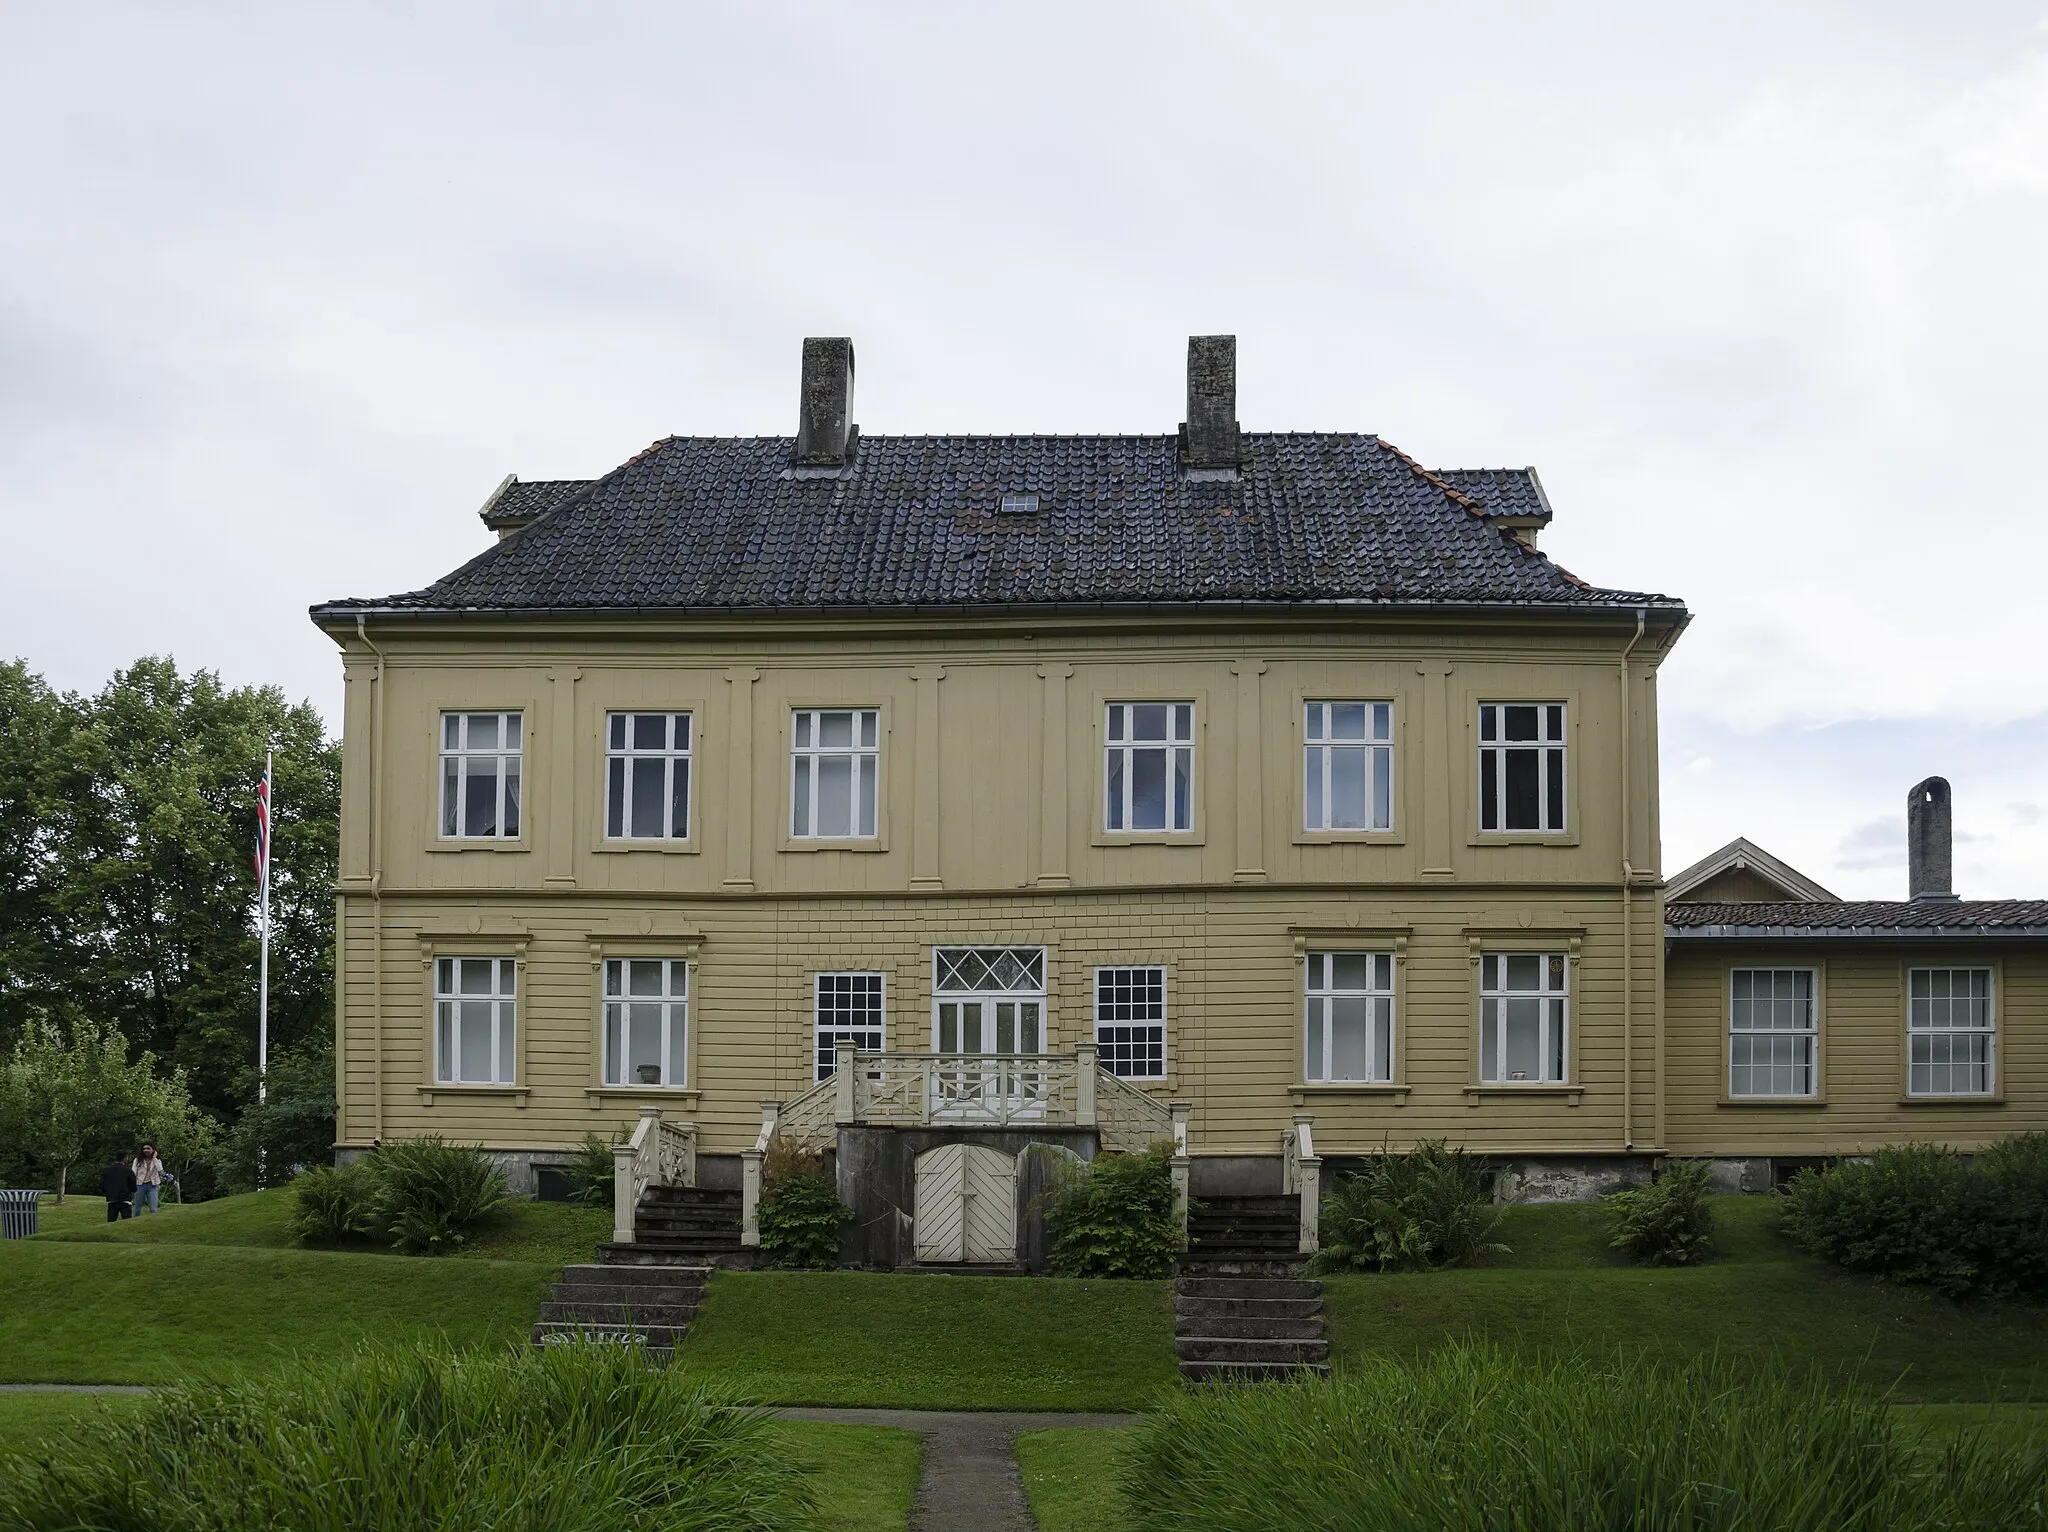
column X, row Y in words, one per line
column 1855, row 933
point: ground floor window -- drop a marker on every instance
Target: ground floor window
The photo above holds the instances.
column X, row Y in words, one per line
column 988, row 999
column 473, row 1021
column 1773, row 1038
column 1950, row 1032
column 647, row 1022
column 848, row 1013
column 1130, row 1022
column 1522, row 1017
column 1350, row 1017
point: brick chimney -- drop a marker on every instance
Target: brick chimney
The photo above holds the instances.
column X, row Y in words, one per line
column 1930, row 842
column 1208, row 437
column 825, row 433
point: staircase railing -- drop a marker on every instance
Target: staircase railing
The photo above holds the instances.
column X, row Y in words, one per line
column 660, row 1153
column 1301, row 1170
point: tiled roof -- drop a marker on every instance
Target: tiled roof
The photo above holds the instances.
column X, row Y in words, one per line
column 698, row 523
column 1958, row 917
column 518, row 501
column 1512, row 492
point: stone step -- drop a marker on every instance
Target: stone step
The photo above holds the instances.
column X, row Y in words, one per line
column 639, row 1316
column 688, row 1223
column 668, row 1256
column 1250, row 1372
column 665, row 1273
column 1237, row 1348
column 1188, row 1306
column 661, row 1337
column 634, row 1295
column 1264, row 1327
column 1242, row 1250
column 657, row 1234
column 705, row 1194
column 1275, row 1202
column 1200, row 1284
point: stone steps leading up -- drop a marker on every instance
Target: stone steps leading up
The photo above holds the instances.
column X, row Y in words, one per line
column 649, row 1300
column 1242, row 1310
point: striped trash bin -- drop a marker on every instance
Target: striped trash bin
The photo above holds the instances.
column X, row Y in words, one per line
column 18, row 1214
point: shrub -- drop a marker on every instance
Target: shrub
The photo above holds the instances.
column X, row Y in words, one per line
column 574, row 1438
column 1113, row 1216
column 801, row 1214
column 1410, row 1212
column 1924, row 1214
column 591, row 1171
column 1668, row 1222
column 431, row 1195
column 1471, row 1437
column 332, row 1206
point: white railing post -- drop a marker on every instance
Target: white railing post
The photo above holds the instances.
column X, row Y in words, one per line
column 750, row 1175
column 625, row 1195
column 844, row 1108
column 1309, row 1171
column 1084, row 1086
column 1181, row 1164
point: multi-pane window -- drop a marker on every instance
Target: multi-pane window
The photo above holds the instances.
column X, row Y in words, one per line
column 1521, row 766
column 647, row 776
column 647, row 1022
column 473, row 1022
column 1348, row 766
column 480, row 776
column 1130, row 1021
column 988, row 999
column 1522, row 1017
column 835, row 754
column 1149, row 765
column 1350, row 1017
column 1950, row 1025
column 1773, row 1035
column 849, row 1015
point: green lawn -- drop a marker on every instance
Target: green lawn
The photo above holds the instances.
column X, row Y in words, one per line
column 27, row 1419
column 1070, row 1479
column 935, row 1342
column 866, row 1475
column 1761, row 1300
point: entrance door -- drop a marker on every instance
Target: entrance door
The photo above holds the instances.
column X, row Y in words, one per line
column 965, row 1205
column 988, row 1003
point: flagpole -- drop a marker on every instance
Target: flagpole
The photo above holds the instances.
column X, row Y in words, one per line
column 263, row 968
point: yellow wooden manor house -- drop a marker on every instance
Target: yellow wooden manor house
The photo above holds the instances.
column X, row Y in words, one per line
column 926, row 799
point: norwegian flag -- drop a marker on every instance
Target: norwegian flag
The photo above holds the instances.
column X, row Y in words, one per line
column 263, row 822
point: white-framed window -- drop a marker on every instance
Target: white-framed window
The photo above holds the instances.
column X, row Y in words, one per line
column 474, row 1001
column 1130, row 1021
column 1951, row 1032
column 1522, row 1017
column 480, row 776
column 647, row 776
column 1348, row 766
column 1773, row 1032
column 647, row 1022
column 1350, row 1017
column 988, row 999
column 1149, row 766
column 848, row 1013
column 1521, row 766
column 834, row 756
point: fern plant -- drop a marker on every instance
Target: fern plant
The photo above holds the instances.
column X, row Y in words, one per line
column 1668, row 1222
column 1410, row 1212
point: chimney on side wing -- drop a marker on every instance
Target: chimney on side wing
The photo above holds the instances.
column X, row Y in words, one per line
column 825, row 433
column 1208, row 437
column 1930, row 842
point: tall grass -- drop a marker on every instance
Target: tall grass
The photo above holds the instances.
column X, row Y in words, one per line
column 579, row 1438
column 1476, row 1440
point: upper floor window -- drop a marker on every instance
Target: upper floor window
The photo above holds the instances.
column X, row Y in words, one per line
column 647, row 776
column 1522, row 1017
column 848, row 1014
column 1350, row 1017
column 1348, row 766
column 480, row 776
column 1521, row 766
column 647, row 1021
column 1950, row 1032
column 835, row 754
column 1130, row 1021
column 1149, row 766
column 474, row 999
column 1773, row 1037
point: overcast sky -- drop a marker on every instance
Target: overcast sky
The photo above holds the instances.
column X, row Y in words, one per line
column 286, row 289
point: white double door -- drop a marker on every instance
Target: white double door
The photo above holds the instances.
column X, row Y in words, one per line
column 966, row 1205
column 1003, row 1031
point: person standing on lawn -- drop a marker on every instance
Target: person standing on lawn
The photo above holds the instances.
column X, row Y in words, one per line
column 149, row 1177
column 117, row 1185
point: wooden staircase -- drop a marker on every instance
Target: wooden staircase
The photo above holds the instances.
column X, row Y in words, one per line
column 1241, row 1307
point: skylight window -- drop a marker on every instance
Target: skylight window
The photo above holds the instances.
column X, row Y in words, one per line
column 1020, row 505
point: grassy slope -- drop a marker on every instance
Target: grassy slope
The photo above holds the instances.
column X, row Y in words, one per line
column 1761, row 1300
column 26, row 1419
column 935, row 1342
column 866, row 1475
column 1070, row 1480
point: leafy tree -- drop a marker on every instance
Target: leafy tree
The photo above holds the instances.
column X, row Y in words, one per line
column 292, row 1127
column 35, row 724
column 66, row 1099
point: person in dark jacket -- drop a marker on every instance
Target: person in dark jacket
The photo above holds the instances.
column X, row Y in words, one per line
column 117, row 1185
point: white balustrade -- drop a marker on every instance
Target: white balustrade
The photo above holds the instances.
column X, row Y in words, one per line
column 660, row 1153
column 1301, row 1170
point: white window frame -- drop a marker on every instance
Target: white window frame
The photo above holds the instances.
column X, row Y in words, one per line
column 806, row 760
column 1019, row 995
column 1805, row 1040
column 1120, row 746
column 1319, row 1049
column 508, row 760
column 1553, row 766
column 674, row 1004
column 1553, row 1017
column 625, row 761
column 1918, row 1030
column 826, row 1035
column 1319, row 750
column 502, row 998
column 1110, row 1052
